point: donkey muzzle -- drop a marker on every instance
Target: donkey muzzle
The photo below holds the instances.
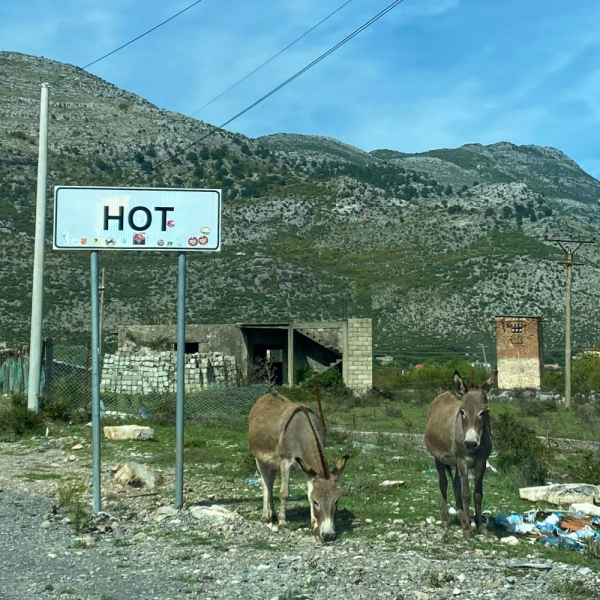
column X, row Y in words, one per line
column 471, row 446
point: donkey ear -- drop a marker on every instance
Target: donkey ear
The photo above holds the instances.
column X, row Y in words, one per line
column 339, row 466
column 490, row 383
column 459, row 384
column 308, row 471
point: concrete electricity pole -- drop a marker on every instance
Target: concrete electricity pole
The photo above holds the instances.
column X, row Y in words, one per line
column 569, row 247
column 484, row 357
column 37, row 292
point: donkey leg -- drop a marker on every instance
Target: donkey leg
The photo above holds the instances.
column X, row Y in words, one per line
column 457, row 490
column 313, row 519
column 463, row 515
column 479, row 473
column 267, row 479
column 284, row 492
column 443, row 481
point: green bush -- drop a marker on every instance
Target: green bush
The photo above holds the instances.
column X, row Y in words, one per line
column 331, row 380
column 585, row 469
column 16, row 420
column 58, row 409
column 535, row 408
column 165, row 413
column 520, row 453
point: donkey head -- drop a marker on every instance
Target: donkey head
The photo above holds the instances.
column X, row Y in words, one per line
column 473, row 412
column 324, row 496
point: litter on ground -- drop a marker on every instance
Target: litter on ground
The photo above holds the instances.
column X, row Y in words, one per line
column 570, row 532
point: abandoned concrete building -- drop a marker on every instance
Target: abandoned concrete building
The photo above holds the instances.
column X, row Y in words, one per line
column 220, row 354
column 519, row 348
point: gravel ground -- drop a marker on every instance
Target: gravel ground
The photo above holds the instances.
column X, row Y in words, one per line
column 144, row 548
column 182, row 557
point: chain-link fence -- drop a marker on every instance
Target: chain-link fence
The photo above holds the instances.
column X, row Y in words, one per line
column 14, row 370
column 141, row 382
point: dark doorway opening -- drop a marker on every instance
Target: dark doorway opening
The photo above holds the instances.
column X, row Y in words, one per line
column 267, row 354
column 190, row 347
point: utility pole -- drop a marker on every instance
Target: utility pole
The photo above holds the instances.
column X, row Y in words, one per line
column 484, row 357
column 101, row 314
column 569, row 247
column 37, row 291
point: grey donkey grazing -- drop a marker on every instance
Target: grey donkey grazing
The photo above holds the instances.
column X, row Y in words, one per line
column 284, row 436
column 458, row 435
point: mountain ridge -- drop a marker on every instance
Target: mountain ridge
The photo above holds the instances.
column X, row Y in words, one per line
column 430, row 245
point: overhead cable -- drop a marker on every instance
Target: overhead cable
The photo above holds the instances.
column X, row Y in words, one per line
column 274, row 90
column 142, row 35
column 271, row 59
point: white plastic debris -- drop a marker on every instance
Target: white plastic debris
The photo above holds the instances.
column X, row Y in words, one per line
column 492, row 469
column 585, row 507
column 392, row 484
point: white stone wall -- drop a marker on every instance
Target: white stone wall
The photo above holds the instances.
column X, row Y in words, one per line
column 147, row 371
column 360, row 355
column 515, row 373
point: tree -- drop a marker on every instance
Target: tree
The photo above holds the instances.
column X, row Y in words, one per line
column 204, row 155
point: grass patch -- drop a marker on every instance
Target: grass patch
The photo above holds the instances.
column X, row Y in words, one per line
column 572, row 590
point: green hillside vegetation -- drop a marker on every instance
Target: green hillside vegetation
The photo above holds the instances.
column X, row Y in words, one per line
column 431, row 246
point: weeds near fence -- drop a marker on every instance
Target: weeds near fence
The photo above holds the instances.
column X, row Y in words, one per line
column 71, row 497
column 16, row 420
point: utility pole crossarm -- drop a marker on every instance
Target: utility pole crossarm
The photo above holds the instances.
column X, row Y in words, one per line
column 569, row 263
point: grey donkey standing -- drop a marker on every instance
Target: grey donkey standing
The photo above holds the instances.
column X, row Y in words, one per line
column 458, row 435
column 284, row 437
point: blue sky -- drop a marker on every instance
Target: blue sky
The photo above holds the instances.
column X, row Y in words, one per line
column 431, row 74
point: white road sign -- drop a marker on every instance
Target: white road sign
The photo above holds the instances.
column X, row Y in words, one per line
column 94, row 218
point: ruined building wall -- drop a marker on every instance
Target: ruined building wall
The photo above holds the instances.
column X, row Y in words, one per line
column 360, row 355
column 146, row 371
column 519, row 352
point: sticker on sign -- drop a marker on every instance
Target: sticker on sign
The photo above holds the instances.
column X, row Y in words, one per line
column 94, row 218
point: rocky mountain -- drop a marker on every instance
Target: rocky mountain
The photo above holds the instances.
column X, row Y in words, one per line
column 430, row 245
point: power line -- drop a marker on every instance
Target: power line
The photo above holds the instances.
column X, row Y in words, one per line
column 142, row 35
column 275, row 90
column 271, row 59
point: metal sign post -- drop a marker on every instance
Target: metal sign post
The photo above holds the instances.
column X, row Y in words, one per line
column 180, row 381
column 95, row 383
column 95, row 218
